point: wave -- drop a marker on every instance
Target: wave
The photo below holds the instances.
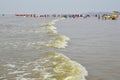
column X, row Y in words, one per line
column 54, row 66
column 49, row 26
column 52, row 22
column 50, row 29
column 60, row 41
column 65, row 69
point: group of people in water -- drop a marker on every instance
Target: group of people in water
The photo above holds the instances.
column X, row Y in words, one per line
column 99, row 16
column 102, row 16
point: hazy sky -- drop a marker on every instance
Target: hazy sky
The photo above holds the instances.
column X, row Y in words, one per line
column 58, row 6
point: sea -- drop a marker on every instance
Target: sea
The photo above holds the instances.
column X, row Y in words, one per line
column 59, row 48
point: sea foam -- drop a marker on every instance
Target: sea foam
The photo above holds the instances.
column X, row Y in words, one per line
column 60, row 41
column 54, row 66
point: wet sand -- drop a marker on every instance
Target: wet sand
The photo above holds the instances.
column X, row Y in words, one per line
column 94, row 44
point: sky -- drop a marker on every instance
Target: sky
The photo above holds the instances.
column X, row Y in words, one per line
column 58, row 6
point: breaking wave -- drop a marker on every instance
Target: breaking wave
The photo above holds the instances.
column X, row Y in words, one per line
column 60, row 41
column 52, row 66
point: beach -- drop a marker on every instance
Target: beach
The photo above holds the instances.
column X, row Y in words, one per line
column 92, row 45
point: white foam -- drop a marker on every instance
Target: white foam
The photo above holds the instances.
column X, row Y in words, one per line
column 20, row 78
column 16, row 72
column 62, row 38
column 52, row 22
column 10, row 65
column 50, row 29
column 60, row 41
column 57, row 44
column 54, row 66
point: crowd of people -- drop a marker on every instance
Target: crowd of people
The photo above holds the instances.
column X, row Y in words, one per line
column 84, row 16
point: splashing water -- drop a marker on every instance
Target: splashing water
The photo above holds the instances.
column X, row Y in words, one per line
column 60, row 41
column 52, row 66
